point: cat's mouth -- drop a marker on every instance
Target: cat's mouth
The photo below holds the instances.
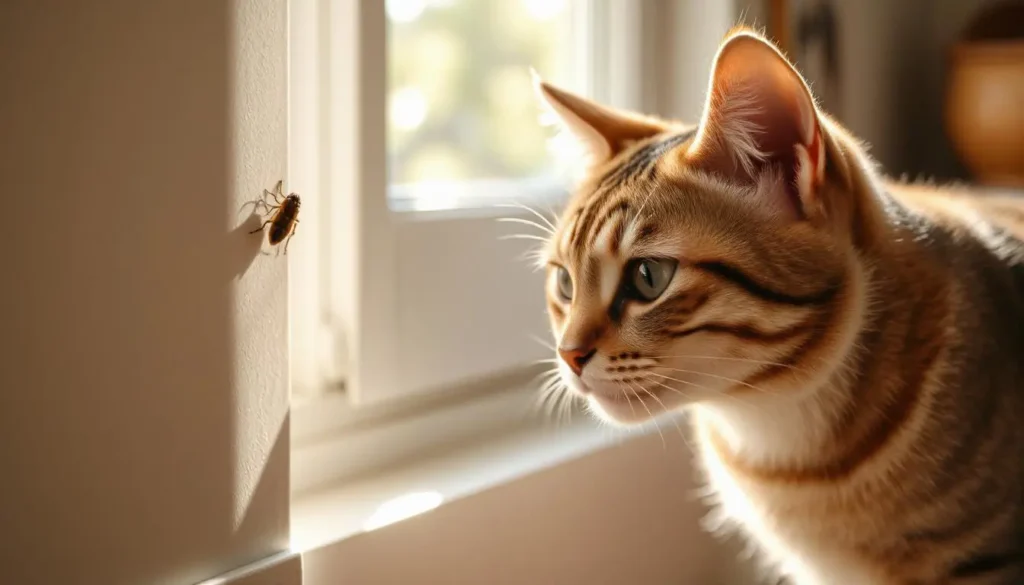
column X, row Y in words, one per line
column 627, row 401
column 628, row 396
column 629, row 405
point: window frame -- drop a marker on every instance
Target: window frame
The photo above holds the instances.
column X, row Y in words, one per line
column 398, row 311
column 357, row 258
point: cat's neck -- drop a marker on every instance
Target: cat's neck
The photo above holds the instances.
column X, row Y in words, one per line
column 834, row 416
column 797, row 426
column 771, row 431
column 787, row 428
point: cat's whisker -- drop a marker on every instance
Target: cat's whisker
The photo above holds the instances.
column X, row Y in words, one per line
column 716, row 376
column 529, row 209
column 553, row 371
column 702, row 387
column 549, row 401
column 647, row 198
column 670, row 413
column 664, row 444
column 556, row 408
column 547, row 379
column 550, row 382
column 544, row 343
column 524, row 237
column 568, row 400
column 557, row 401
column 687, row 382
column 547, row 391
column 533, row 256
column 539, row 405
column 528, row 222
column 552, row 212
column 687, row 396
column 676, row 390
column 729, row 359
column 536, row 258
column 629, row 402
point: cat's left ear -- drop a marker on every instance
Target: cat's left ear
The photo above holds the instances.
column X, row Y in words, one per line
column 600, row 130
column 760, row 117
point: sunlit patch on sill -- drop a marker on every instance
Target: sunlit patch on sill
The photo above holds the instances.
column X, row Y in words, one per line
column 403, row 507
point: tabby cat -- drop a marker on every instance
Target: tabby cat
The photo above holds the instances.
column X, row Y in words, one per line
column 849, row 348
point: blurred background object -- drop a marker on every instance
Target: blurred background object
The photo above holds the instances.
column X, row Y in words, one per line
column 461, row 107
column 932, row 86
column 985, row 99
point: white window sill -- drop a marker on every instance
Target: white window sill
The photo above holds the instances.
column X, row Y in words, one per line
column 341, row 511
column 576, row 504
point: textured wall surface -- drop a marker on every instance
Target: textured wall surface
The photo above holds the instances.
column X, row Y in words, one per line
column 143, row 371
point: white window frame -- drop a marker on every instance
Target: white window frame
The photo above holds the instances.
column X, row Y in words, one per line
column 374, row 345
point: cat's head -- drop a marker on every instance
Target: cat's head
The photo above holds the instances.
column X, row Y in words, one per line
column 718, row 260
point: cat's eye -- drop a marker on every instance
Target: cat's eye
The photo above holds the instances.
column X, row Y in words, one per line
column 564, row 284
column 647, row 278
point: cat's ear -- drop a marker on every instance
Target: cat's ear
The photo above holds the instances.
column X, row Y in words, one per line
column 600, row 130
column 760, row 124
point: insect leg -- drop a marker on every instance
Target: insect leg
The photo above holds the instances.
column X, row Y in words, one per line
column 277, row 193
column 256, row 205
column 259, row 229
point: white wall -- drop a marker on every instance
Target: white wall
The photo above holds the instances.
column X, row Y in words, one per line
column 143, row 372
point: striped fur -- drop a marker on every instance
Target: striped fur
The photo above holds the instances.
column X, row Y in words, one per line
column 849, row 347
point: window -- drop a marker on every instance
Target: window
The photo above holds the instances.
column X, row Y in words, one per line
column 411, row 121
column 462, row 117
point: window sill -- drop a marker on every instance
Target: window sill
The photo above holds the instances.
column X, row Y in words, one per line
column 559, row 500
column 341, row 511
column 334, row 443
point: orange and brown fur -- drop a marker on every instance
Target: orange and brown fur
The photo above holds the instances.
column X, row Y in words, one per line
column 850, row 348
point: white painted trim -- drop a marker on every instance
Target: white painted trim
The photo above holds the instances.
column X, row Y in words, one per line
column 335, row 442
column 362, row 244
column 399, row 286
column 284, row 568
column 310, row 341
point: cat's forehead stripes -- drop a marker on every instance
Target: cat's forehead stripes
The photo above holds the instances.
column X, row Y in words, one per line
column 641, row 163
column 607, row 230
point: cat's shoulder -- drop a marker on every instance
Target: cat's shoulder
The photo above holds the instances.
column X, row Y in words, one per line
column 958, row 204
column 991, row 217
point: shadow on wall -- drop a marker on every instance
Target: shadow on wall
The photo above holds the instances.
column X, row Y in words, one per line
column 117, row 418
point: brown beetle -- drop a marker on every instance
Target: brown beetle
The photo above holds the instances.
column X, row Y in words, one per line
column 284, row 218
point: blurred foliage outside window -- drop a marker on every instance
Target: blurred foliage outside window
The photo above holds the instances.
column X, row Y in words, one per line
column 461, row 105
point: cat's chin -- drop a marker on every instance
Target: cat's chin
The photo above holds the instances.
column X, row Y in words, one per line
column 630, row 408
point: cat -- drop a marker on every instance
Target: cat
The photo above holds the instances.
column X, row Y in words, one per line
column 848, row 347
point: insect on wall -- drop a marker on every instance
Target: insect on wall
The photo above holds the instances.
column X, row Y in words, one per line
column 283, row 216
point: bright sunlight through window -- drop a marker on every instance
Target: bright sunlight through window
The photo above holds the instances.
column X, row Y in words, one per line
column 462, row 114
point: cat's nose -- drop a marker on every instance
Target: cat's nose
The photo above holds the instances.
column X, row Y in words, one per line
column 576, row 357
